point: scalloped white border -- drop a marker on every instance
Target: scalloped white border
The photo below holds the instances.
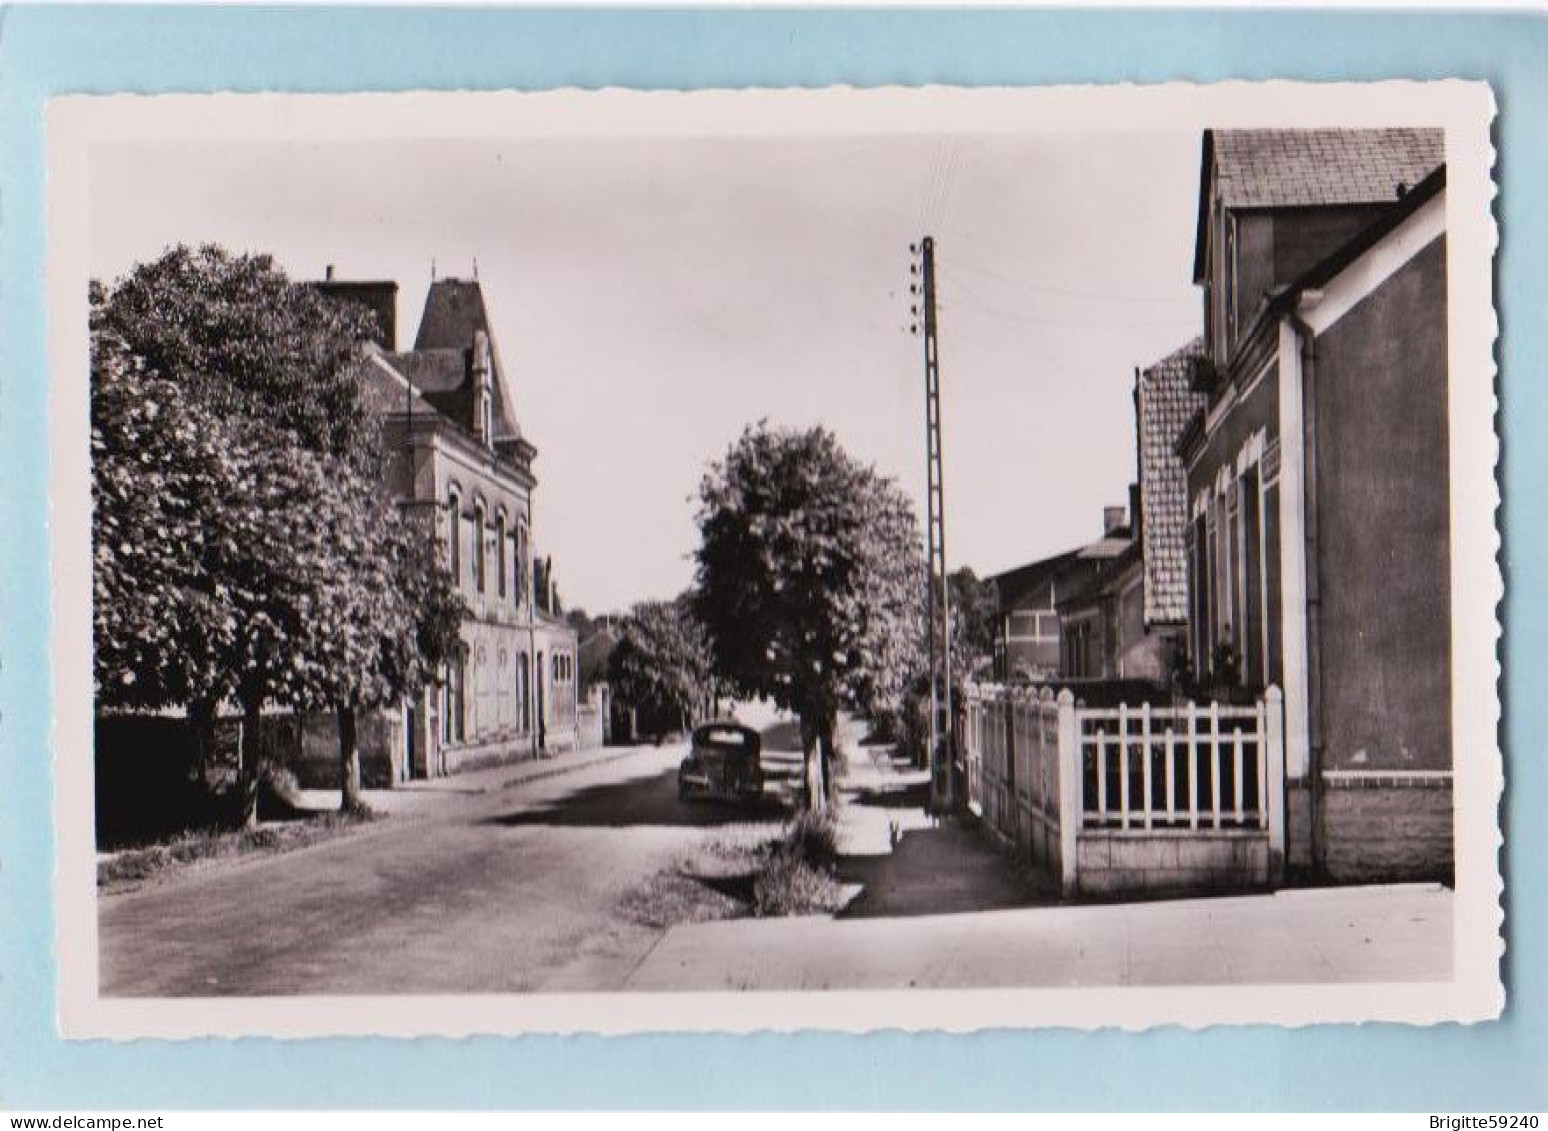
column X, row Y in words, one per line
column 1465, row 109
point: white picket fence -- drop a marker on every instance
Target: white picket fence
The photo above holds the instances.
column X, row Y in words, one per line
column 1045, row 771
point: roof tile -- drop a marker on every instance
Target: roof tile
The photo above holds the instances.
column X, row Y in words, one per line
column 1291, row 168
column 1166, row 403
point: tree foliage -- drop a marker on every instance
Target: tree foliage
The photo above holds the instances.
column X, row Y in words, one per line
column 810, row 581
column 163, row 625
column 242, row 550
column 975, row 605
column 251, row 344
column 661, row 663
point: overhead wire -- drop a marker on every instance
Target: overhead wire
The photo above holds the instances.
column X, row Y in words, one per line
column 976, row 301
column 1073, row 292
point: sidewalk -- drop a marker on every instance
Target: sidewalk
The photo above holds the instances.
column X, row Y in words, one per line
column 426, row 794
column 1321, row 935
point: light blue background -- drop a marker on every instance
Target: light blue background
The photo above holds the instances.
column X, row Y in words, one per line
column 1499, row 1067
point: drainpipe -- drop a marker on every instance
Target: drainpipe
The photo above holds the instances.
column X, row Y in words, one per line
column 1317, row 739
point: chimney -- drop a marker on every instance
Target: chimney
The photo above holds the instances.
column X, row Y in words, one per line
column 380, row 298
column 1136, row 511
column 1113, row 518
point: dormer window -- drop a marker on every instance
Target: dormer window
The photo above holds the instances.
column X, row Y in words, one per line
column 1231, row 327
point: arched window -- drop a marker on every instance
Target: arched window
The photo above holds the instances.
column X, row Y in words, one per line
column 478, row 545
column 523, row 563
column 454, row 716
column 454, row 537
column 500, row 553
column 523, row 721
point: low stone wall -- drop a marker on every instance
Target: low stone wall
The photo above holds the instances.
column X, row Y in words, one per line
column 1387, row 827
column 509, row 748
column 308, row 746
column 1111, row 863
column 589, row 729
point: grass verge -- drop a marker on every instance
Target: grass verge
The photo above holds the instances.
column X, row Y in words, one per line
column 799, row 873
column 760, row 870
column 127, row 869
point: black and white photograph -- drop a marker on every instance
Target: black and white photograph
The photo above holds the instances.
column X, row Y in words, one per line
column 920, row 558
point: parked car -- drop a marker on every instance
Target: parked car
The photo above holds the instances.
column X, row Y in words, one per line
column 722, row 764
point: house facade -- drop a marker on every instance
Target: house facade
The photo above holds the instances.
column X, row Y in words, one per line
column 1029, row 644
column 455, row 458
column 1129, row 622
column 1316, row 479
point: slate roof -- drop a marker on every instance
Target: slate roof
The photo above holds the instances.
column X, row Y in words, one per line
column 385, row 387
column 1297, row 168
column 432, row 370
column 1111, row 545
column 454, row 312
column 1165, row 403
column 1310, row 168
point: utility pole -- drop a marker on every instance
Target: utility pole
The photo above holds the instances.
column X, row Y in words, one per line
column 942, row 750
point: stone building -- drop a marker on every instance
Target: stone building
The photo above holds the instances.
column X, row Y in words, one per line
column 457, row 459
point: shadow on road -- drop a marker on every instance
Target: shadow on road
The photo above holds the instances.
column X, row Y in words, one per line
column 641, row 801
column 903, row 795
column 945, row 870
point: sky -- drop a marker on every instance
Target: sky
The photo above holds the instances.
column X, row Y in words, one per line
column 652, row 296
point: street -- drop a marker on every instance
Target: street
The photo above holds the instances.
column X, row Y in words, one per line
column 573, row 875
column 514, row 889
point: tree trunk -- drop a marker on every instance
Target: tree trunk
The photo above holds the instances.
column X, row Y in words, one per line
column 816, row 779
column 825, row 749
column 249, row 752
column 201, row 720
column 349, row 760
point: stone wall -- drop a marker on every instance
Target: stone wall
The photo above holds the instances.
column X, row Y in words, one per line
column 1387, row 827
column 589, row 729
column 308, row 746
column 1150, row 864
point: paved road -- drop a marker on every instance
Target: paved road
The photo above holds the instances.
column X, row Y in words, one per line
column 511, row 890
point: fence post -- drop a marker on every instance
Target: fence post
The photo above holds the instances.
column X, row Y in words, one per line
column 1274, row 755
column 1069, row 793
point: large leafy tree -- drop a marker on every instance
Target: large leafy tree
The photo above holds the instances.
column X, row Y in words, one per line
column 242, row 550
column 251, row 343
column 217, row 567
column 810, row 581
column 163, row 621
column 661, row 663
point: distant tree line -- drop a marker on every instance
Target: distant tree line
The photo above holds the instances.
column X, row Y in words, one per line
column 244, row 551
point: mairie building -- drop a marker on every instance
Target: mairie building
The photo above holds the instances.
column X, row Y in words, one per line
column 457, row 460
